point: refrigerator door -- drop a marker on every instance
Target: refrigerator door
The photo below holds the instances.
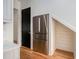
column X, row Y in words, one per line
column 40, row 41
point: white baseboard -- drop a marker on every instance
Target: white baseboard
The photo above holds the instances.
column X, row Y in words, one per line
column 52, row 52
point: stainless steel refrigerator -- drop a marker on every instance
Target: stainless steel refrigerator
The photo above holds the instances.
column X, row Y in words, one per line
column 40, row 33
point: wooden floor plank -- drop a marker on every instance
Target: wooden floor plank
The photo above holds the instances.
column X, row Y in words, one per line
column 26, row 53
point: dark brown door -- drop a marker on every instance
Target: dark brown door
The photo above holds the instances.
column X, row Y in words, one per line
column 26, row 15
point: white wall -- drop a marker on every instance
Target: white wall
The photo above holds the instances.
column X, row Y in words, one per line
column 65, row 38
column 40, row 7
column 25, row 4
column 51, row 36
column 65, row 11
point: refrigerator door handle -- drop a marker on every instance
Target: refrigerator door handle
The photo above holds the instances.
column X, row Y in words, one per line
column 38, row 24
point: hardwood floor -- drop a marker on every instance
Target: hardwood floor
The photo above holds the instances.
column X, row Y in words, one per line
column 26, row 53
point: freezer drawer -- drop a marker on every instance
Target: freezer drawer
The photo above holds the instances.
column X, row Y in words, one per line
column 40, row 46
